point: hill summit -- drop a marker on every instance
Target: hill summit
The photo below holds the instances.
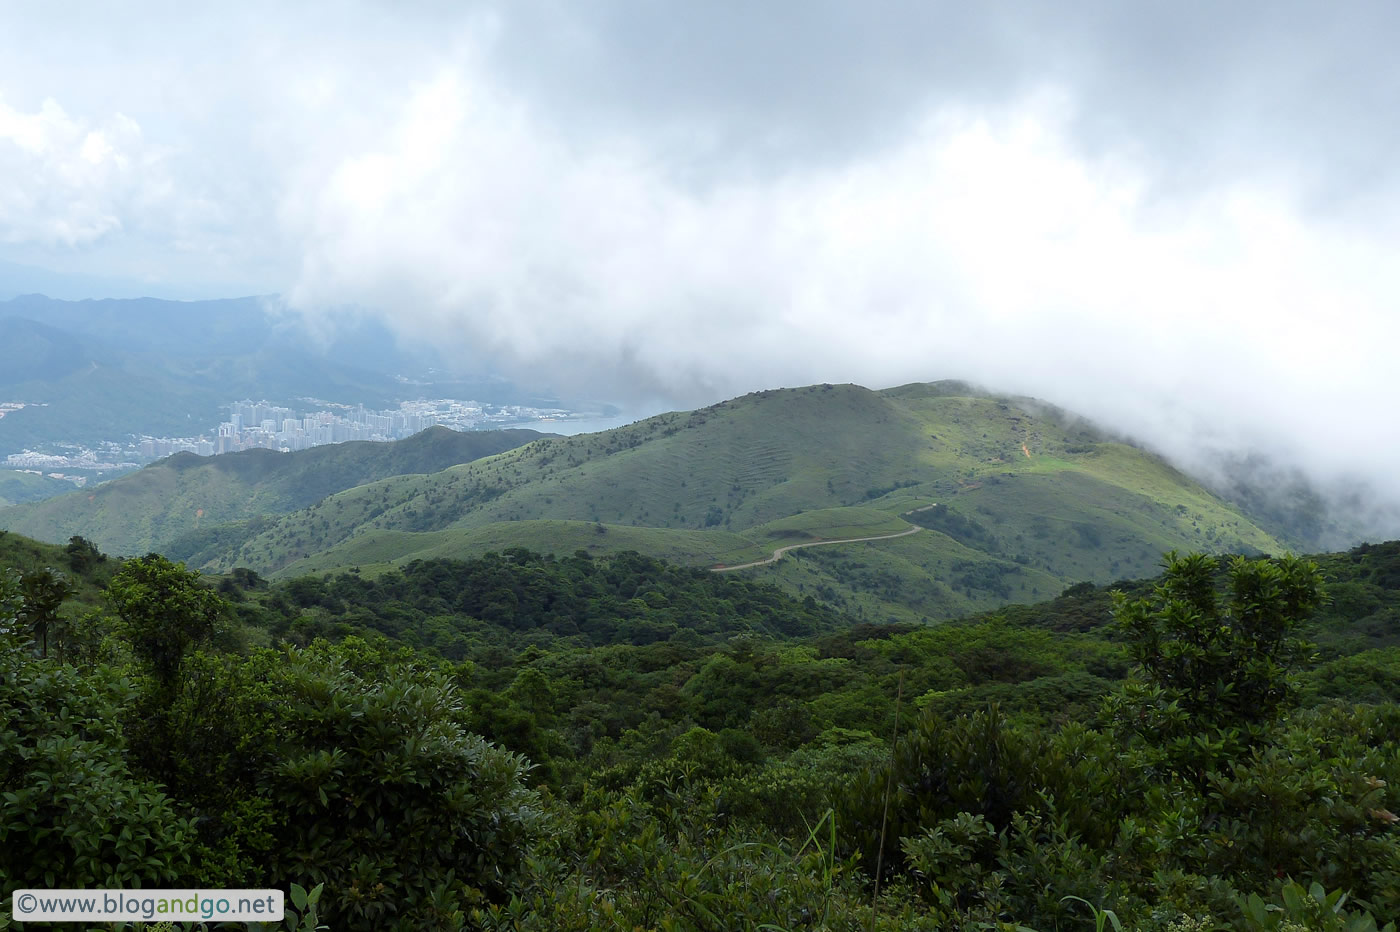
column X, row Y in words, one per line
column 1017, row 498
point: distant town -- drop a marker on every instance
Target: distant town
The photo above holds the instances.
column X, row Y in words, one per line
column 268, row 426
column 260, row 424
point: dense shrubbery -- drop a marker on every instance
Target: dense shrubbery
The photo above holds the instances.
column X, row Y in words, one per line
column 75, row 814
column 518, row 597
column 738, row 778
column 345, row 764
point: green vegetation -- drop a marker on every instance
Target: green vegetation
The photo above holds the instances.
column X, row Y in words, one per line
column 1019, row 499
column 827, row 524
column 151, row 757
column 182, row 504
column 377, row 551
column 17, row 488
column 503, row 602
column 609, row 742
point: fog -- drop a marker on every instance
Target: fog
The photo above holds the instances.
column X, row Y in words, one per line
column 1177, row 220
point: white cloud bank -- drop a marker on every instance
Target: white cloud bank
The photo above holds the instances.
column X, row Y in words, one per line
column 984, row 246
column 69, row 182
column 621, row 204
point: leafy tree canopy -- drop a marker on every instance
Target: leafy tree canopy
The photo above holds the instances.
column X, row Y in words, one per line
column 1225, row 658
column 165, row 610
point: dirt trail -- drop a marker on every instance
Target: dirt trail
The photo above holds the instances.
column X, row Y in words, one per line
column 777, row 554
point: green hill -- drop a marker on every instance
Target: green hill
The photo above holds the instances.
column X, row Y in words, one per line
column 177, row 505
column 87, row 572
column 1018, row 500
column 17, row 487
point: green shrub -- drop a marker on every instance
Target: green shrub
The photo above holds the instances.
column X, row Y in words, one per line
column 72, row 814
column 384, row 797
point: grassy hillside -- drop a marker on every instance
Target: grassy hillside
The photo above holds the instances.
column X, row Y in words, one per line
column 177, row 505
column 17, row 488
column 1018, row 500
column 89, row 579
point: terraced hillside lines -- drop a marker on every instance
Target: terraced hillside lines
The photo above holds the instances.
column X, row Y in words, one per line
column 762, row 465
column 182, row 504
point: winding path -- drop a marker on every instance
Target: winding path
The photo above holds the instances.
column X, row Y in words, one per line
column 777, row 554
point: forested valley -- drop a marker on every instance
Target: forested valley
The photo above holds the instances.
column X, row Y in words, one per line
column 532, row 742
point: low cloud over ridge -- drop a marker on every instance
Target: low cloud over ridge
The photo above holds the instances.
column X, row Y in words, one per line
column 1180, row 227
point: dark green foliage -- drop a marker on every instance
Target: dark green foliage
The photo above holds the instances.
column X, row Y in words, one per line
column 502, row 597
column 165, row 610
column 979, row 764
column 203, row 544
column 731, row 779
column 1226, row 665
column 1054, row 698
column 1313, row 908
column 42, row 592
column 83, row 554
column 1312, row 804
column 611, row 868
column 74, row 815
column 985, row 576
column 1372, row 677
column 246, row 578
column 958, row 526
column 381, row 793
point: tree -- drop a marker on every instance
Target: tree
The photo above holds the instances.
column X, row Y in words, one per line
column 83, row 554
column 382, row 794
column 1226, row 665
column 165, row 611
column 42, row 591
column 72, row 813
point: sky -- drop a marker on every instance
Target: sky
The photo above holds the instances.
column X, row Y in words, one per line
column 1178, row 219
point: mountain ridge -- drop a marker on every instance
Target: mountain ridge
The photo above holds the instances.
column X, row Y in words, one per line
column 1021, row 498
column 152, row 507
column 1033, row 499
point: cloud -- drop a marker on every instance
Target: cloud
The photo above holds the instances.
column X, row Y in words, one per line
column 71, row 181
column 1176, row 220
column 984, row 246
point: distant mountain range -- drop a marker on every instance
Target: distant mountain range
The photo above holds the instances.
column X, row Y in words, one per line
column 103, row 370
column 1016, row 500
